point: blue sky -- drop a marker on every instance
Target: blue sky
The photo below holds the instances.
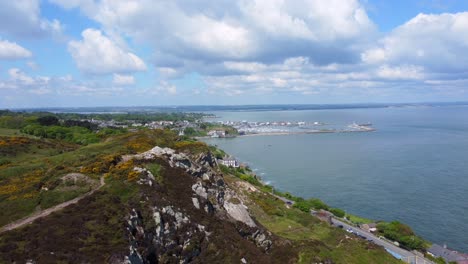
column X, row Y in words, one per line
column 60, row 53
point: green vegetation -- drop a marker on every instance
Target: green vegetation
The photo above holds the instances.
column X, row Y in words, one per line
column 155, row 169
column 337, row 212
column 230, row 131
column 307, row 205
column 241, row 173
column 218, row 153
column 438, row 260
column 53, row 126
column 18, row 120
column 316, row 240
column 78, row 135
column 402, row 233
column 31, row 168
column 9, row 132
column 357, row 219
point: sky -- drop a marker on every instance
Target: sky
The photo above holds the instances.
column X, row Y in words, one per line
column 78, row 53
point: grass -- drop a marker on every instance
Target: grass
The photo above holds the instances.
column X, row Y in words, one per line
column 318, row 240
column 54, row 197
column 41, row 162
column 9, row 132
column 155, row 169
column 358, row 220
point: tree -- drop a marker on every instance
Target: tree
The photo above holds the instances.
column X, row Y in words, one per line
column 189, row 131
column 48, row 121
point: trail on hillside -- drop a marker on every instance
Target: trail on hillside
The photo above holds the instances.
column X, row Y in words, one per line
column 48, row 211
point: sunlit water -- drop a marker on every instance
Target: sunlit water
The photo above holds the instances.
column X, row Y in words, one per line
column 414, row 168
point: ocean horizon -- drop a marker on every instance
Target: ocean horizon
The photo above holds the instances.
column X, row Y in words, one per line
column 411, row 169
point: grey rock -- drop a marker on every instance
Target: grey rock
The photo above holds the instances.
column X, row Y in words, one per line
column 195, row 202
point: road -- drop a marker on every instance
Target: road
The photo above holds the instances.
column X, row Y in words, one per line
column 405, row 255
column 48, row 211
column 285, row 200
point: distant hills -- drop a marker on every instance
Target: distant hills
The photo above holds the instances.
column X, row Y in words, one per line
column 210, row 108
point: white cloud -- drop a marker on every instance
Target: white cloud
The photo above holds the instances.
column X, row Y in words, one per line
column 437, row 42
column 405, row 72
column 41, row 91
column 376, row 55
column 169, row 88
column 23, row 84
column 22, row 18
column 11, row 50
column 217, row 31
column 315, row 20
column 245, row 47
column 244, row 66
column 164, row 87
column 18, row 76
column 98, row 54
column 69, row 4
column 120, row 79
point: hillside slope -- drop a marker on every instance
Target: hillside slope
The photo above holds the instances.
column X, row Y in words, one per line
column 170, row 205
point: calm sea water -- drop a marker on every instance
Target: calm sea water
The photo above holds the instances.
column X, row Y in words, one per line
column 414, row 168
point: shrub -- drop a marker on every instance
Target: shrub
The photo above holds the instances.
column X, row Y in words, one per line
column 402, row 233
column 48, row 120
column 337, row 212
column 306, row 205
column 318, row 204
column 303, row 206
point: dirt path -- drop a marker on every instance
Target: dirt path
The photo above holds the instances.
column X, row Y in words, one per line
column 48, row 211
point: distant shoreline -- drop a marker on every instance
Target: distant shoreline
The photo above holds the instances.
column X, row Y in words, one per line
column 235, row 108
column 285, row 133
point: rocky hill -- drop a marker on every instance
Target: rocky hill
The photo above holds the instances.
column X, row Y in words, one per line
column 173, row 205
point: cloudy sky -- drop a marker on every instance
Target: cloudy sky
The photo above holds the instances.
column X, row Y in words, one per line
column 198, row 52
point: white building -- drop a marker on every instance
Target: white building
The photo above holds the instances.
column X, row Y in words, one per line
column 216, row 133
column 229, row 162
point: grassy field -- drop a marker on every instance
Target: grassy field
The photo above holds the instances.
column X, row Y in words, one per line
column 9, row 132
column 30, row 168
column 316, row 238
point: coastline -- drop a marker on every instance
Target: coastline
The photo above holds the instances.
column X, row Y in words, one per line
column 350, row 219
column 285, row 133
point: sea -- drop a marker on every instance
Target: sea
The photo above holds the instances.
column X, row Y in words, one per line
column 413, row 168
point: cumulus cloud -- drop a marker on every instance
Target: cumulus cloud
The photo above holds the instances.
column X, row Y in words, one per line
column 97, row 54
column 23, row 83
column 18, row 76
column 11, row 50
column 437, row 42
column 217, row 31
column 23, row 19
column 120, row 79
column 313, row 20
column 303, row 47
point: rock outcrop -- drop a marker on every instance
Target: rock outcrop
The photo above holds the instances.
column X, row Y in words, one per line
column 178, row 227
